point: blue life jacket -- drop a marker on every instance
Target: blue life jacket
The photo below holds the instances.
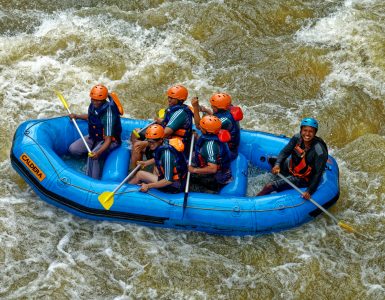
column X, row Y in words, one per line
column 186, row 131
column 181, row 169
column 223, row 174
column 95, row 126
column 235, row 130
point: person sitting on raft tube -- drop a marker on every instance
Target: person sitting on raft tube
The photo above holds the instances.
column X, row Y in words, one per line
column 212, row 156
column 169, row 160
column 228, row 114
column 306, row 164
column 104, row 129
column 177, row 123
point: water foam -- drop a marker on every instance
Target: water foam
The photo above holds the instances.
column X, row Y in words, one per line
column 355, row 43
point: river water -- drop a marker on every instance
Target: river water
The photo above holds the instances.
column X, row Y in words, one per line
column 280, row 60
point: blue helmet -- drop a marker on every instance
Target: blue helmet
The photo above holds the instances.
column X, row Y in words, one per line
column 310, row 122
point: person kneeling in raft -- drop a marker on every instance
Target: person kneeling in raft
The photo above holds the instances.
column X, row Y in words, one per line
column 230, row 115
column 177, row 122
column 169, row 160
column 303, row 160
column 212, row 156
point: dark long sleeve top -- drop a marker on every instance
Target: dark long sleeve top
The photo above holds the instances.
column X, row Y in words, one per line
column 316, row 157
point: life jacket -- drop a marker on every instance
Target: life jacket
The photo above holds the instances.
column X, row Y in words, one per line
column 302, row 169
column 181, row 169
column 234, row 131
column 95, row 126
column 186, row 131
column 224, row 152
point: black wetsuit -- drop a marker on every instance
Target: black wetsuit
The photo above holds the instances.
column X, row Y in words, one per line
column 316, row 157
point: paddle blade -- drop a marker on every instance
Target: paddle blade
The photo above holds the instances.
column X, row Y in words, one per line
column 60, row 96
column 161, row 113
column 347, row 227
column 136, row 134
column 106, row 199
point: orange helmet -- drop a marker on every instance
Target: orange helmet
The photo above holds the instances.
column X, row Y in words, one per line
column 155, row 132
column 221, row 100
column 177, row 92
column 99, row 92
column 211, row 124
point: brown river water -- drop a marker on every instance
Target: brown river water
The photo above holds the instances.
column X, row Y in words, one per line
column 281, row 60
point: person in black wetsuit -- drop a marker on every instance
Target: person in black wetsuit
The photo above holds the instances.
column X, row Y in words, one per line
column 302, row 160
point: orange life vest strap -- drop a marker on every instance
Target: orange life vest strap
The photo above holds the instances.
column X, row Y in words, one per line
column 301, row 153
column 302, row 170
column 175, row 177
column 299, row 168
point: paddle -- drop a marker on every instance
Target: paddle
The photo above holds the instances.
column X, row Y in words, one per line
column 107, row 198
column 90, row 154
column 348, row 228
column 161, row 113
column 188, row 174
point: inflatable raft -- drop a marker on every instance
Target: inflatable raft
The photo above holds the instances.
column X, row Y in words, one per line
column 39, row 154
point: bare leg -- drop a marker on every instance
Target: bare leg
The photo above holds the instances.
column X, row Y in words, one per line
column 138, row 149
column 267, row 189
column 144, row 176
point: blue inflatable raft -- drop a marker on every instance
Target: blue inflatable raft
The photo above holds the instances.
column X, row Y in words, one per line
column 39, row 155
